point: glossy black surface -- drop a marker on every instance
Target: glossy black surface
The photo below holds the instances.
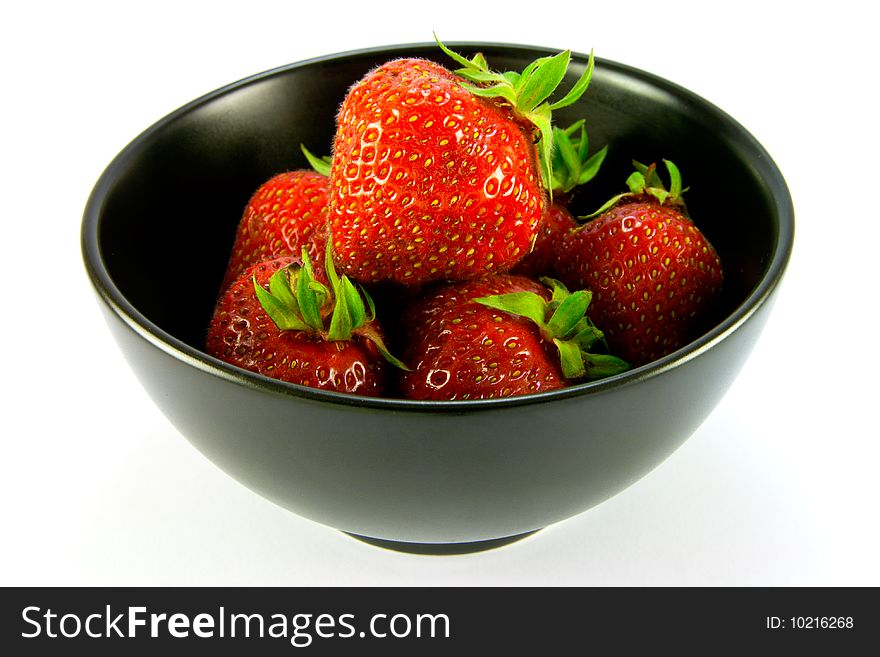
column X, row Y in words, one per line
column 165, row 211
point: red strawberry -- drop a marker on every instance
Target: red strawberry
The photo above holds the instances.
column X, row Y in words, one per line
column 653, row 274
column 434, row 178
column 499, row 336
column 278, row 320
column 286, row 213
column 572, row 167
column 556, row 223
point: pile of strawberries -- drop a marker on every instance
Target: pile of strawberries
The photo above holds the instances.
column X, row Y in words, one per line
column 445, row 198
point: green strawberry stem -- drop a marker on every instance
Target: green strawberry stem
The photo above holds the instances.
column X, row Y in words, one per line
column 572, row 164
column 297, row 301
column 527, row 92
column 563, row 321
column 646, row 181
column 319, row 164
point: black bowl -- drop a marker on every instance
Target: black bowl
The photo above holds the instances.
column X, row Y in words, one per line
column 158, row 229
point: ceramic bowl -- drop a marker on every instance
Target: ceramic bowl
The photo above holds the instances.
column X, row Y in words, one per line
column 158, row 229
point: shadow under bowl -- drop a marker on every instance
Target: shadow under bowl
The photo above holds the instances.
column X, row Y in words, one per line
column 158, row 229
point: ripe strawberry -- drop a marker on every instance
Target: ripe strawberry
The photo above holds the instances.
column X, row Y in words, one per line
column 435, row 178
column 278, row 320
column 498, row 336
column 572, row 166
column 555, row 224
column 653, row 274
column 286, row 213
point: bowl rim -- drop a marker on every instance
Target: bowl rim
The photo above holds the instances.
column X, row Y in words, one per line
column 181, row 351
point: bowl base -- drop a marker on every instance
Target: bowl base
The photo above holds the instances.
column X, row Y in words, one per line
column 441, row 549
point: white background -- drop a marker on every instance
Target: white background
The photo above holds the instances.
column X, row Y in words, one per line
column 778, row 487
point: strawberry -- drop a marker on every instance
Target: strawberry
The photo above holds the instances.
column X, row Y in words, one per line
column 498, row 336
column 278, row 320
column 555, row 224
column 653, row 274
column 286, row 213
column 571, row 167
column 439, row 175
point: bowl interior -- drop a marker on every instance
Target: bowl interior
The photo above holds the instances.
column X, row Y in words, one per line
column 172, row 200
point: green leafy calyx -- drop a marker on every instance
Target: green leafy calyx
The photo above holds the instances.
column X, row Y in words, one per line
column 563, row 321
column 645, row 181
column 572, row 164
column 297, row 301
column 527, row 92
column 319, row 164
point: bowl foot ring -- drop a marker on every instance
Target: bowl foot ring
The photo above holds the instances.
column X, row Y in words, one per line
column 442, row 548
